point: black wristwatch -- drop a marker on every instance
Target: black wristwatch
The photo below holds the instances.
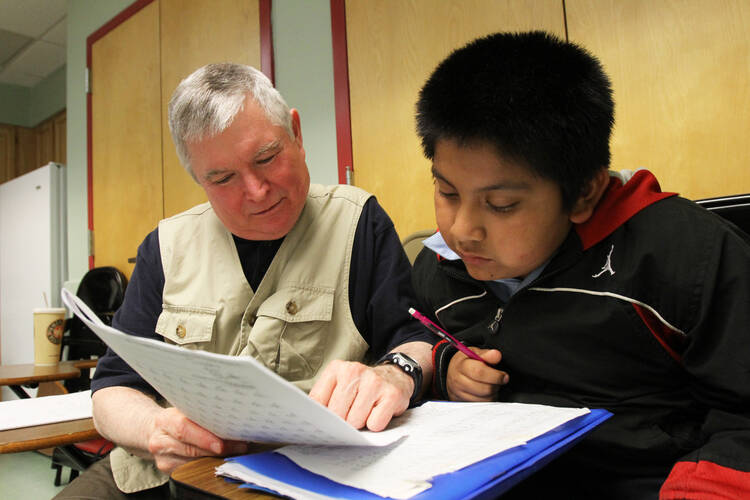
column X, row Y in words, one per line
column 410, row 367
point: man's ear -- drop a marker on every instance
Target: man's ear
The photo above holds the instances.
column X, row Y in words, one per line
column 592, row 193
column 296, row 127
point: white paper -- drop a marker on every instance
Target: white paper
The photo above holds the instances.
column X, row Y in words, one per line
column 442, row 437
column 19, row 413
column 234, row 397
column 237, row 471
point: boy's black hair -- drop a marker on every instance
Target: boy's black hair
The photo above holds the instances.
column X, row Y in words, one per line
column 541, row 101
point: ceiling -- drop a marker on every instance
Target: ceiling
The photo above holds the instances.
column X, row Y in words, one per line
column 32, row 40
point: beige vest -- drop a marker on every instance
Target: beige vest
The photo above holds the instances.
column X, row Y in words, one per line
column 296, row 322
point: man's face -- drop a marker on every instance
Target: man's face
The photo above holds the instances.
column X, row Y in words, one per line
column 498, row 216
column 254, row 174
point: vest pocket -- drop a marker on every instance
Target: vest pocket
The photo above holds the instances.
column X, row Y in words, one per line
column 293, row 323
column 186, row 325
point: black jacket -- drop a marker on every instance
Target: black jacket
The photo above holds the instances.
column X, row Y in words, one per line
column 643, row 311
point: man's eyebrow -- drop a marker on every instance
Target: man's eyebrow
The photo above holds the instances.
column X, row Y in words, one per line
column 271, row 146
column 264, row 149
column 512, row 186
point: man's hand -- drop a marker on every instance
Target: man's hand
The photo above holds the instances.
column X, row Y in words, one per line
column 175, row 439
column 472, row 380
column 364, row 395
column 134, row 421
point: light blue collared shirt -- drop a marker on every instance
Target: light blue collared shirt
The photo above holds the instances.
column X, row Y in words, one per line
column 504, row 289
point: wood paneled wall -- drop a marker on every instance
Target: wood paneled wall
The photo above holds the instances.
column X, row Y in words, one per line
column 681, row 75
column 680, row 71
column 24, row 149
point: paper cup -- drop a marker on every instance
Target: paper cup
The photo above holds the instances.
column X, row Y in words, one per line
column 48, row 331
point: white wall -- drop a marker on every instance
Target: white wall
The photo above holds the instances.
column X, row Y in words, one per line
column 303, row 57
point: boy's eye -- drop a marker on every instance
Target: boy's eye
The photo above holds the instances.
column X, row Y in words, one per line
column 501, row 208
column 448, row 195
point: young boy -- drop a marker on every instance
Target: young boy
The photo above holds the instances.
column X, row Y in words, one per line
column 580, row 286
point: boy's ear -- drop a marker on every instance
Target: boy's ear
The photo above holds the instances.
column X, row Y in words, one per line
column 592, row 193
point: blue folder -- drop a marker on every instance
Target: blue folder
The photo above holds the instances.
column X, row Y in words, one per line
column 486, row 479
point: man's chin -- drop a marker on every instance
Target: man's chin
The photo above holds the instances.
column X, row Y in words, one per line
column 263, row 230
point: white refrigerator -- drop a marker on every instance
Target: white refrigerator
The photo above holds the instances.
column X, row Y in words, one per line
column 33, row 257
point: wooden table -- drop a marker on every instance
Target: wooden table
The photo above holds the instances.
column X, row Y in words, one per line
column 16, row 376
column 196, row 480
column 48, row 435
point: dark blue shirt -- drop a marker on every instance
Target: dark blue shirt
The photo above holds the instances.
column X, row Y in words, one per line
column 380, row 293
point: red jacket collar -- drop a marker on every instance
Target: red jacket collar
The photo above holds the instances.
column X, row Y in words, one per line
column 619, row 203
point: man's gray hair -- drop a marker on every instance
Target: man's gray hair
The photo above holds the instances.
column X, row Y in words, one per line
column 206, row 102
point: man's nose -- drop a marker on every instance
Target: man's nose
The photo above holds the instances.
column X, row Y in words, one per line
column 468, row 224
column 256, row 186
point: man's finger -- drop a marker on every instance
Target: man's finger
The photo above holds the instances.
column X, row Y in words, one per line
column 324, row 387
column 343, row 396
column 361, row 407
column 188, row 432
column 379, row 417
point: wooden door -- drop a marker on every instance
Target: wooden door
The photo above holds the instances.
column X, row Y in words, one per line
column 45, row 143
column 26, row 151
column 195, row 33
column 681, row 72
column 59, row 123
column 7, row 152
column 393, row 46
column 126, row 138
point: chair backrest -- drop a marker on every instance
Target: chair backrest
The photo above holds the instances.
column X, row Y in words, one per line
column 103, row 290
column 735, row 209
column 413, row 243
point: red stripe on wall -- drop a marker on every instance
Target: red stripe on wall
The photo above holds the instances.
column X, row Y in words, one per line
column 341, row 88
column 266, row 40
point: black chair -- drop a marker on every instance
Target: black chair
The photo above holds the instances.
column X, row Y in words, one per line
column 735, row 209
column 103, row 290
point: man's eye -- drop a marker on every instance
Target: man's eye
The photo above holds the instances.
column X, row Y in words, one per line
column 223, row 180
column 447, row 195
column 267, row 159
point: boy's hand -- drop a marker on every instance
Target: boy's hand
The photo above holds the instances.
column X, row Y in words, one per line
column 471, row 380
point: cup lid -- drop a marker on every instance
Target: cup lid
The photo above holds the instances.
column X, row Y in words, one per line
column 50, row 310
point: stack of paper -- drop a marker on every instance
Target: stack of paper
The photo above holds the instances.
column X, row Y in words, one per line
column 441, row 438
column 47, row 410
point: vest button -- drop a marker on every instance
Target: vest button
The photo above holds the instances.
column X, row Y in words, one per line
column 291, row 307
column 180, row 331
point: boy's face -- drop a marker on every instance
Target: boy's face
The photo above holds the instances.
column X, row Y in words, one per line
column 502, row 220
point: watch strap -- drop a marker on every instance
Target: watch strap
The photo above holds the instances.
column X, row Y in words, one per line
column 408, row 366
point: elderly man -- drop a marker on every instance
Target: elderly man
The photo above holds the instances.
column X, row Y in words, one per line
column 310, row 280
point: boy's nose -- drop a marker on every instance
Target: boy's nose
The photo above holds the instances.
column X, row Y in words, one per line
column 467, row 226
